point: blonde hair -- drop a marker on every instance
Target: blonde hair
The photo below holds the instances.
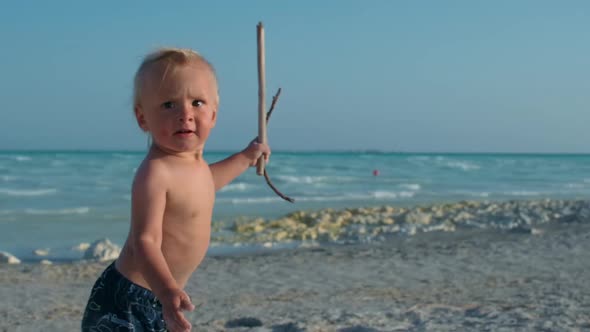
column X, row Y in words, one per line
column 172, row 58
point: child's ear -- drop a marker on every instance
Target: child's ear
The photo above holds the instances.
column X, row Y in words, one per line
column 140, row 117
column 214, row 118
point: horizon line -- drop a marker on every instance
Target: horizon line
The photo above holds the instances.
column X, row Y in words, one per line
column 327, row 151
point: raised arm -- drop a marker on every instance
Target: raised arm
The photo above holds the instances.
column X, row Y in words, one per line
column 147, row 214
column 226, row 170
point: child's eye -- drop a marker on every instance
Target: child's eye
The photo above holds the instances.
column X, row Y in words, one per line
column 198, row 103
column 168, row 105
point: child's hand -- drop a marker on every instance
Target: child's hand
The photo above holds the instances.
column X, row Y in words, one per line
column 255, row 150
column 174, row 302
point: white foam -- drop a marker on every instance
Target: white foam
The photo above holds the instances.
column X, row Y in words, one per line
column 379, row 194
column 523, row 193
column 463, row 165
column 77, row 210
column 301, row 179
column 472, row 193
column 574, row 185
column 253, row 200
column 384, row 194
column 25, row 192
column 480, row 194
column 240, row 186
column 22, row 158
column 411, row 186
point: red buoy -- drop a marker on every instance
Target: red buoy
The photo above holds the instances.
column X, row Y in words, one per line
column 376, row 172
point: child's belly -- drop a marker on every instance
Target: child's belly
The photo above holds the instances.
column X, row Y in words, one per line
column 185, row 249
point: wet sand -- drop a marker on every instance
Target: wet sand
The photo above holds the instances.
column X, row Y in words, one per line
column 469, row 280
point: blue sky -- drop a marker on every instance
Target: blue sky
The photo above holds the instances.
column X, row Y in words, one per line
column 432, row 76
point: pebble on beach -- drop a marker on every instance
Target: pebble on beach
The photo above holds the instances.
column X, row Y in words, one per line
column 41, row 252
column 482, row 276
column 8, row 258
column 81, row 247
column 102, row 250
column 370, row 224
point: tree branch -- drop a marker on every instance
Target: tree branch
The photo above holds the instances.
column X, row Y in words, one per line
column 266, row 176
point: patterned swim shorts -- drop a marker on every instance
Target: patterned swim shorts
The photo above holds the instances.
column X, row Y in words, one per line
column 118, row 304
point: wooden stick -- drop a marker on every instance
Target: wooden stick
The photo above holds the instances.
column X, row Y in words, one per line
column 262, row 117
column 261, row 87
column 266, row 176
column 281, row 195
column 272, row 105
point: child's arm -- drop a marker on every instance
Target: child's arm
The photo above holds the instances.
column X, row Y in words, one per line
column 148, row 204
column 228, row 169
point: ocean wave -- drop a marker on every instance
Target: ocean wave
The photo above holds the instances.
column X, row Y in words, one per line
column 462, row 165
column 22, row 158
column 77, row 210
column 506, row 162
column 411, row 186
column 123, row 156
column 419, row 158
column 390, row 194
column 383, row 194
column 523, row 193
column 574, row 185
column 8, row 178
column 471, row 193
column 240, row 186
column 301, row 179
column 378, row 194
column 285, row 169
column 27, row 192
column 252, row 200
column 315, row 180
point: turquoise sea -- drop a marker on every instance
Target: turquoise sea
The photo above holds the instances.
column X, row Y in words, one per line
column 57, row 199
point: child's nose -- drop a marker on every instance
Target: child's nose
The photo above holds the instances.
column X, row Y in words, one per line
column 186, row 114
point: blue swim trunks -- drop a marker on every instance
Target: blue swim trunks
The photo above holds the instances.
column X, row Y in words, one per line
column 118, row 304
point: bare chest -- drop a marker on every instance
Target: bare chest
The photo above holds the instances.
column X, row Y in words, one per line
column 191, row 197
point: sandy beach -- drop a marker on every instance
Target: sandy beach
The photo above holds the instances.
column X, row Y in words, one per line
column 469, row 280
column 426, row 167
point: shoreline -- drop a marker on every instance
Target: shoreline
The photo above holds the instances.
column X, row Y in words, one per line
column 471, row 280
column 374, row 224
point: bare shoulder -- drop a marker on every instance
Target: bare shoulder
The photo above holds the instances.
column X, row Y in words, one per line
column 152, row 172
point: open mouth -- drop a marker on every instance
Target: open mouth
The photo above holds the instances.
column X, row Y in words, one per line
column 184, row 132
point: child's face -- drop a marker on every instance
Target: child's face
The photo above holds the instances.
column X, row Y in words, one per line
column 181, row 110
